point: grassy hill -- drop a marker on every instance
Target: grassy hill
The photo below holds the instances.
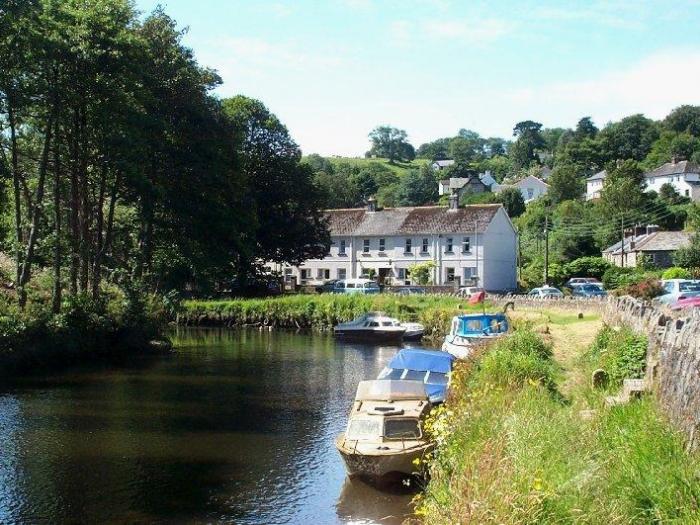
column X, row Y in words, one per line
column 400, row 168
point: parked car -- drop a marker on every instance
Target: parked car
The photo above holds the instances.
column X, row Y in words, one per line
column 575, row 281
column 411, row 290
column 356, row 286
column 688, row 302
column 326, row 286
column 588, row 290
column 677, row 289
column 469, row 291
column 545, row 291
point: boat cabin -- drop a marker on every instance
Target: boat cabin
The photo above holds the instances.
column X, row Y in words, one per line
column 479, row 325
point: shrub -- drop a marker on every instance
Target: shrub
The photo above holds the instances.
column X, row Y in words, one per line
column 622, row 354
column 646, row 289
column 676, row 273
column 587, row 267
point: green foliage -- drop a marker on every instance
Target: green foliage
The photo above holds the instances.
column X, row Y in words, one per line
column 587, row 267
column 391, row 143
column 616, row 277
column 529, row 140
column 630, row 138
column 417, row 188
column 566, row 183
column 423, row 272
column 620, row 352
column 512, row 200
column 676, row 273
column 688, row 257
column 646, row 289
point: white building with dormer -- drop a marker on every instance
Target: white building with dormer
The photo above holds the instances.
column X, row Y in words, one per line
column 473, row 245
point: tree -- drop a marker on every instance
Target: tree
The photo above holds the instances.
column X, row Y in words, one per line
column 683, row 146
column 684, row 119
column 436, row 150
column 418, row 187
column 528, row 141
column 390, row 143
column 668, row 193
column 630, row 138
column 688, row 257
column 513, row 202
column 587, row 267
column 585, row 129
column 290, row 227
column 565, row 183
column 422, row 272
column 623, row 190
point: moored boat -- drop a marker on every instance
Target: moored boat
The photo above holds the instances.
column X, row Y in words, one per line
column 384, row 435
column 469, row 330
column 414, row 331
column 432, row 367
column 373, row 326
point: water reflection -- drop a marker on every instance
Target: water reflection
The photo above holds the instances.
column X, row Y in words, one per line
column 232, row 427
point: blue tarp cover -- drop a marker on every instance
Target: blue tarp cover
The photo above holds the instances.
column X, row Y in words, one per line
column 422, row 360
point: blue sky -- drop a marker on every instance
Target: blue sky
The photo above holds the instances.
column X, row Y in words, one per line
column 332, row 70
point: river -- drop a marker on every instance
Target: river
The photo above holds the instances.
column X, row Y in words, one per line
column 232, row 427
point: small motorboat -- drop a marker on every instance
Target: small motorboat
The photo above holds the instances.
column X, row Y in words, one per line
column 414, row 331
column 432, row 367
column 384, row 436
column 471, row 329
column 376, row 326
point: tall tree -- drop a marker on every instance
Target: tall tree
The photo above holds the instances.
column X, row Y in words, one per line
column 390, row 143
column 528, row 141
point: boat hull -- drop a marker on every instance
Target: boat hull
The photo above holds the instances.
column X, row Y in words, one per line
column 370, row 335
column 380, row 465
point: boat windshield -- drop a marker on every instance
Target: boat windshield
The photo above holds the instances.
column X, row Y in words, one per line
column 401, row 429
column 437, row 378
column 473, row 325
column 395, row 373
column 364, row 428
column 415, row 375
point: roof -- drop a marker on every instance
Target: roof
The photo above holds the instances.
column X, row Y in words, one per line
column 389, row 390
column 674, row 168
column 653, row 242
column 444, row 163
column 528, row 178
column 411, row 220
column 598, row 176
column 545, row 173
column 422, row 360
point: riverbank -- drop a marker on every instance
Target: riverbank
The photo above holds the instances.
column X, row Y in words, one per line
column 525, row 438
column 322, row 312
column 85, row 331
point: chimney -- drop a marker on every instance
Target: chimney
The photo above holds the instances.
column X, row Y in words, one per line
column 371, row 204
column 454, row 202
column 651, row 228
column 674, row 159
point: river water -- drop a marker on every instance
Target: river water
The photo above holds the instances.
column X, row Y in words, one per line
column 232, row 427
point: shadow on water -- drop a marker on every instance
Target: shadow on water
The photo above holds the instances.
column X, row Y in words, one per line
column 233, row 426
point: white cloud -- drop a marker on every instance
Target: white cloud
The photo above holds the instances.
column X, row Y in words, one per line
column 400, row 32
column 483, row 30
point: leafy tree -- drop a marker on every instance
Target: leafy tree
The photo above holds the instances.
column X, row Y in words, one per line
column 318, row 163
column 565, row 183
column 630, row 138
column 668, row 193
column 688, row 257
column 587, row 267
column 290, row 227
column 391, row 143
column 418, row 187
column 528, row 141
column 495, row 146
column 684, row 119
column 436, row 150
column 513, row 202
column 623, row 189
column 683, row 146
column 422, row 272
column 585, row 129
column 499, row 166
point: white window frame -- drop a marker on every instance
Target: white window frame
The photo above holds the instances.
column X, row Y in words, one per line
column 466, row 244
column 408, row 245
column 449, row 245
column 365, row 245
column 382, row 245
column 425, row 245
column 342, row 247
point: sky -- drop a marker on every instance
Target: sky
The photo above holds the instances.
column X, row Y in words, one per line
column 332, row 70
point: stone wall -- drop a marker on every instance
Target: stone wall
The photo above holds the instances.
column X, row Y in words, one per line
column 673, row 358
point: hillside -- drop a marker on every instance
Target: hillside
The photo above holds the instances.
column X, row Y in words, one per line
column 399, row 168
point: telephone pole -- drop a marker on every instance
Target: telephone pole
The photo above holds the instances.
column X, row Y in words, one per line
column 546, row 250
column 622, row 243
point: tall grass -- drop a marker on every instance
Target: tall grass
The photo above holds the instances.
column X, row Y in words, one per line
column 512, row 450
column 324, row 311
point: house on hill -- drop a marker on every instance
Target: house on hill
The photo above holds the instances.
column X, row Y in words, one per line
column 594, row 185
column 440, row 165
column 530, row 187
column 480, row 183
column 684, row 176
column 469, row 245
column 658, row 246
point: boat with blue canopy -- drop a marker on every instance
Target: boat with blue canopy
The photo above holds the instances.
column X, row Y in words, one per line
column 432, row 367
column 470, row 329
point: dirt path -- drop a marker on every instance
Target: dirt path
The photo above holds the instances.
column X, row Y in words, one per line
column 570, row 337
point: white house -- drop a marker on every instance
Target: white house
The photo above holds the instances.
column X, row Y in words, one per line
column 594, row 185
column 475, row 184
column 471, row 245
column 530, row 187
column 684, row 176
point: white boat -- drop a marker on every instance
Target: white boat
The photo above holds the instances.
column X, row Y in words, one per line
column 384, row 435
column 472, row 329
column 414, row 331
column 375, row 326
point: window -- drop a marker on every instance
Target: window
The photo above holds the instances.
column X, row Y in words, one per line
column 450, row 274
column 342, row 273
column 469, row 273
column 364, row 428
column 401, row 273
column 319, row 273
column 382, row 244
column 341, row 249
column 408, row 247
column 530, row 193
column 448, row 245
column 323, row 273
column 465, row 245
column 365, row 246
column 424, row 247
column 304, row 274
column 687, row 193
column 402, row 429
column 288, row 275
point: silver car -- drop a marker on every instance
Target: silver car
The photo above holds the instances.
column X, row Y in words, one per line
column 675, row 289
column 545, row 291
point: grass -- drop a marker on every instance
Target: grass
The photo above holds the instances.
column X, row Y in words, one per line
column 324, row 311
column 398, row 167
column 513, row 449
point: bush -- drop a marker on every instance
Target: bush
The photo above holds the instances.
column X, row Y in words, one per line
column 676, row 273
column 646, row 289
column 622, row 354
column 587, row 267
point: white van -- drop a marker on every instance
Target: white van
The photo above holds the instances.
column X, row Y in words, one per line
column 360, row 286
